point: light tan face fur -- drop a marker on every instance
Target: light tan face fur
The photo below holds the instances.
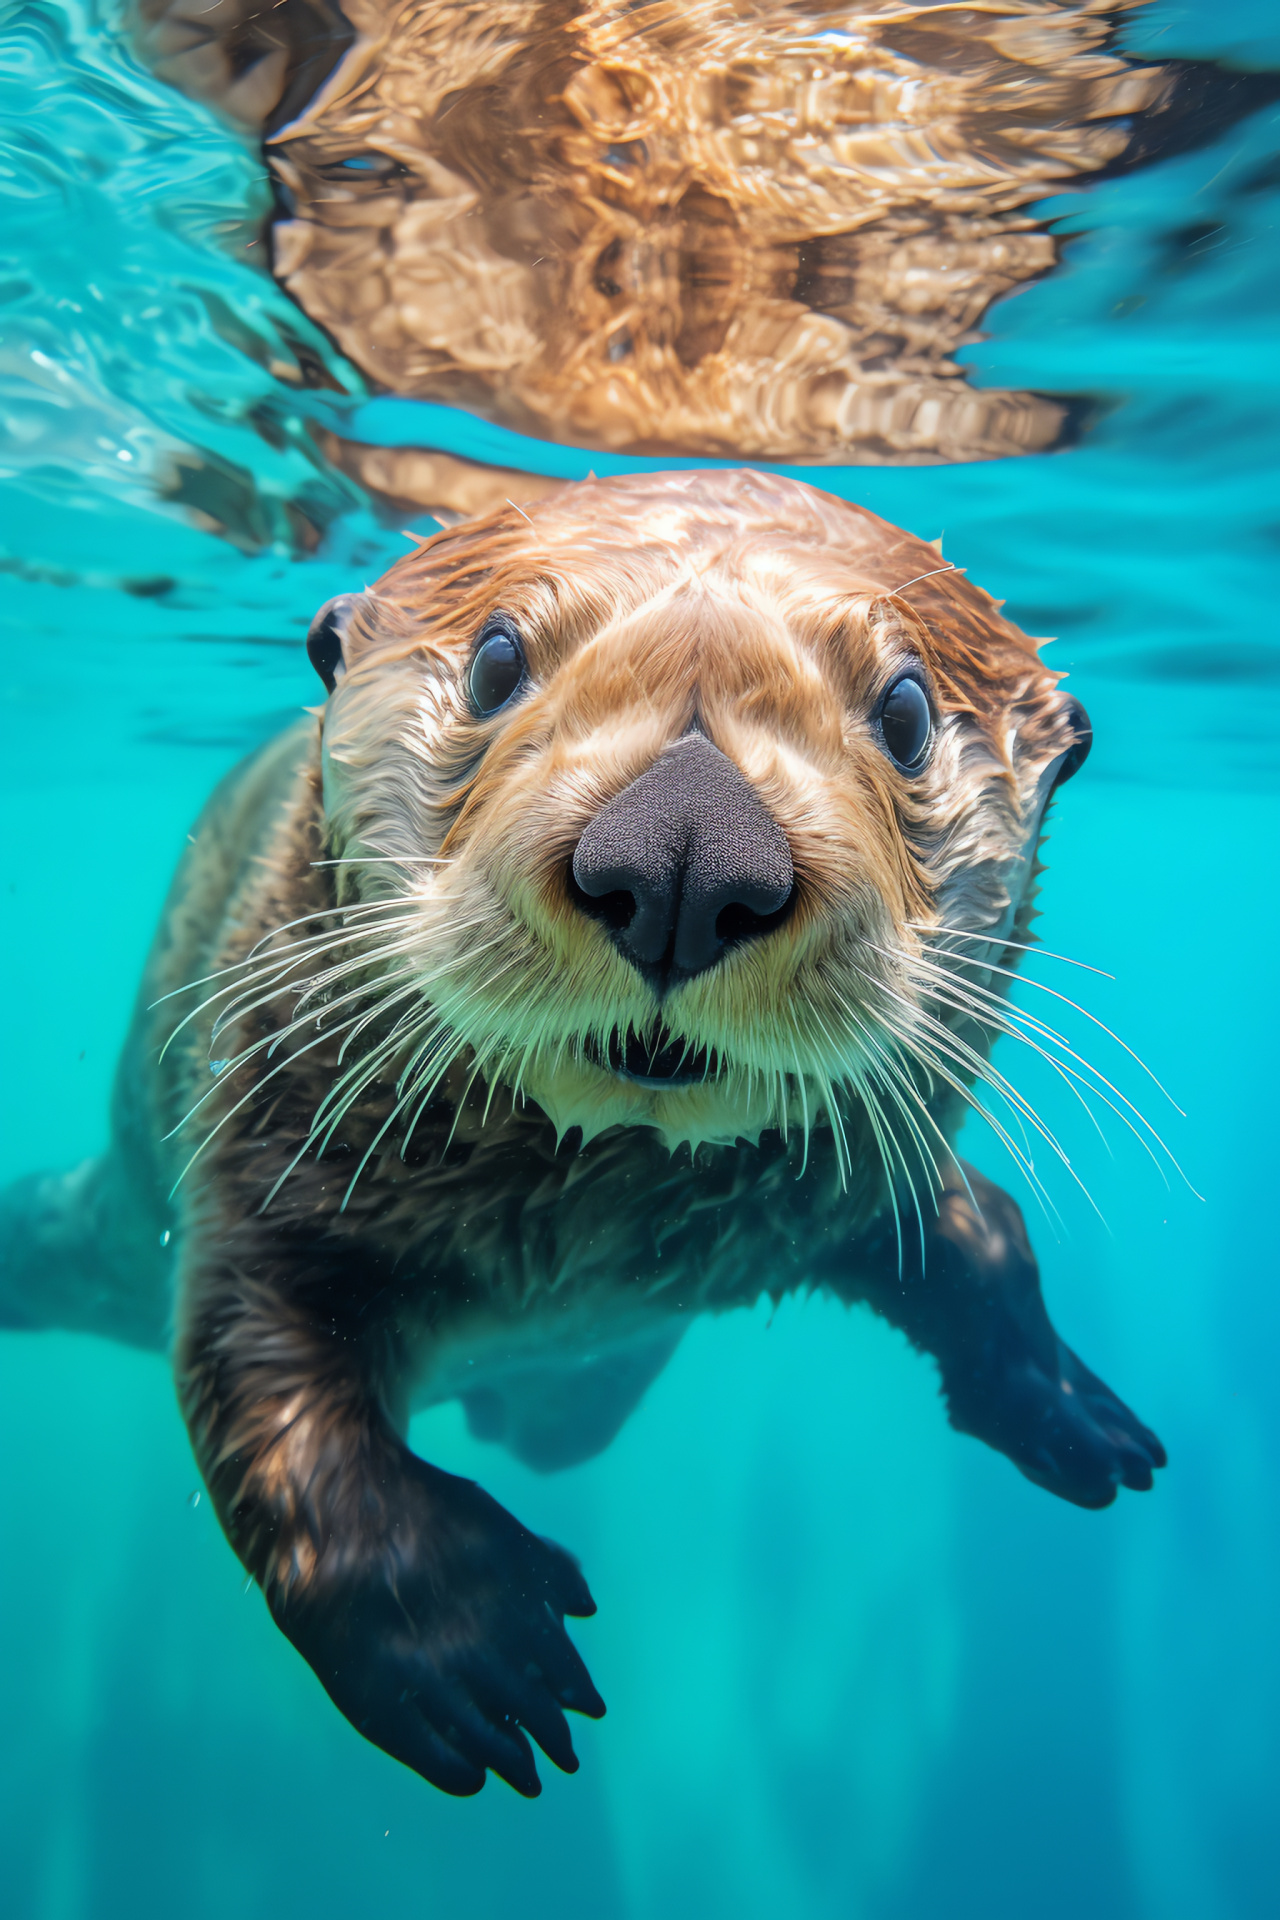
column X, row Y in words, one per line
column 765, row 611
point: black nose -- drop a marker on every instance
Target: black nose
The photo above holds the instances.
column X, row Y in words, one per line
column 683, row 863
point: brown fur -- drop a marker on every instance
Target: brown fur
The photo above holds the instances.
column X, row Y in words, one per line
column 494, row 1214
column 766, row 609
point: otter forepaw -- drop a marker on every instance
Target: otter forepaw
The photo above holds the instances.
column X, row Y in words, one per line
column 447, row 1645
column 1066, row 1431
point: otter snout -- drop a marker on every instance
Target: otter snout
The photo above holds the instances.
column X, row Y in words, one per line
column 684, row 863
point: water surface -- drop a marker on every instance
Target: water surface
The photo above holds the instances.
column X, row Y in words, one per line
column 855, row 1665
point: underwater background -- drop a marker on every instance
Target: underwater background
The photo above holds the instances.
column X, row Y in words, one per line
column 855, row 1665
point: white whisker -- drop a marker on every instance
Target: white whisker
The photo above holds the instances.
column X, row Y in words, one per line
column 1066, row 999
column 1003, row 942
column 1003, row 1017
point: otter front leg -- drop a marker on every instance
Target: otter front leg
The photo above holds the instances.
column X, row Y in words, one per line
column 976, row 1305
column 434, row 1620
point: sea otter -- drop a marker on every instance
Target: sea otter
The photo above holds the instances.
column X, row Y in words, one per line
column 621, row 942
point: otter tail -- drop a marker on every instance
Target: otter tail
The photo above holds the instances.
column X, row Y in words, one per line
column 74, row 1255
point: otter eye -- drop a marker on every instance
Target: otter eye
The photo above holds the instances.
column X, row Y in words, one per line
column 906, row 723
column 496, row 670
column 324, row 639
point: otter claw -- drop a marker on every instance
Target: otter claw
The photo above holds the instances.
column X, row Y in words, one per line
column 458, row 1651
column 1067, row 1432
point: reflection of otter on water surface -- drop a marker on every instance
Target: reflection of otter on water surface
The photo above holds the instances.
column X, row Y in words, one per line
column 622, row 943
column 729, row 230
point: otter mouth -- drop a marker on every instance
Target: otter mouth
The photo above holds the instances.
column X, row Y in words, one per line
column 657, row 1059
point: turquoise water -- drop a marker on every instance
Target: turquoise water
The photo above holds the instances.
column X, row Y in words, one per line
column 855, row 1665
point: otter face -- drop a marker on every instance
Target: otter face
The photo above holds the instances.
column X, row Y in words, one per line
column 663, row 786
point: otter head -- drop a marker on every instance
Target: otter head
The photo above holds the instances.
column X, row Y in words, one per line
column 657, row 796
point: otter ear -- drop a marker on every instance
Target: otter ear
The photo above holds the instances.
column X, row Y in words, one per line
column 326, row 638
column 1078, row 752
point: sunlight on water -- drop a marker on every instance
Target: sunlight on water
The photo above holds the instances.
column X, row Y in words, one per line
column 855, row 1666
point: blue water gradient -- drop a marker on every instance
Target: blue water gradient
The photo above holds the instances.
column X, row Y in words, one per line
column 857, row 1669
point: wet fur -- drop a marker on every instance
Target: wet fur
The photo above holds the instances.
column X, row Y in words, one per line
column 538, row 1238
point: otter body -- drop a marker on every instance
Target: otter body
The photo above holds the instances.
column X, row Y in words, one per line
column 591, row 964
